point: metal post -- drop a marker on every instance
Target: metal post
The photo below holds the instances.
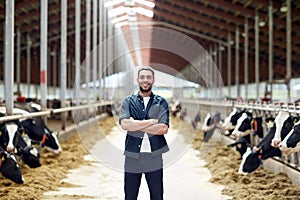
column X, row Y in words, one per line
column 94, row 53
column 237, row 59
column 220, row 63
column 77, row 50
column 9, row 55
column 28, row 64
column 88, row 47
column 63, row 59
column 210, row 69
column 288, row 48
column 100, row 49
column 229, row 65
column 215, row 66
column 246, row 73
column 43, row 53
column 18, row 61
column 104, row 51
column 271, row 47
column 48, row 68
column 257, row 55
column 54, row 67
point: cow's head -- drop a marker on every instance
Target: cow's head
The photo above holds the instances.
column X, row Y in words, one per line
column 231, row 121
column 270, row 122
column 4, row 138
column 41, row 134
column 207, row 124
column 51, row 143
column 251, row 161
column 243, row 126
column 291, row 141
column 9, row 167
column 28, row 154
column 240, row 145
column 12, row 129
column 283, row 125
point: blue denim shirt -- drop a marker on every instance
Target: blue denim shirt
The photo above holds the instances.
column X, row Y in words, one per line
column 157, row 108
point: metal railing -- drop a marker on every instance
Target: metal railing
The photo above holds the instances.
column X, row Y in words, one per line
column 51, row 111
column 262, row 109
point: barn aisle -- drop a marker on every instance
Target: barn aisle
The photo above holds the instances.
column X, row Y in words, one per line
column 184, row 178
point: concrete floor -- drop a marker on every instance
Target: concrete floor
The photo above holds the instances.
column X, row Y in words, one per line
column 185, row 177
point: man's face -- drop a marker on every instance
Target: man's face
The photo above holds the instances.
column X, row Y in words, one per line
column 145, row 80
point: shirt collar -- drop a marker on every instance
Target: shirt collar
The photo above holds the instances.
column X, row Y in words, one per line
column 141, row 97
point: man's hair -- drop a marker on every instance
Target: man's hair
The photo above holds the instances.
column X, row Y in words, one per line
column 146, row 68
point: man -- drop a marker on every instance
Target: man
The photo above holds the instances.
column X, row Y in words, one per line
column 145, row 117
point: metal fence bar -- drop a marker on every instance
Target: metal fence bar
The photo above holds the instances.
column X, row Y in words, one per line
column 53, row 111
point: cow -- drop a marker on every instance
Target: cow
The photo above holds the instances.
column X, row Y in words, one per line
column 264, row 150
column 175, row 109
column 281, row 118
column 196, row 120
column 231, row 121
column 37, row 130
column 243, row 126
column 9, row 167
column 291, row 143
column 257, row 127
column 241, row 144
column 209, row 125
column 12, row 140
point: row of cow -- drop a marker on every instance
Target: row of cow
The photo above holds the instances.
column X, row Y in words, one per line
column 282, row 136
column 21, row 141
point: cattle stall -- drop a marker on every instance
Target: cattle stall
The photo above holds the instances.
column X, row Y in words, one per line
column 288, row 164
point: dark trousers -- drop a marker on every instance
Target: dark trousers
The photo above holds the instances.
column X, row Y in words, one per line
column 146, row 164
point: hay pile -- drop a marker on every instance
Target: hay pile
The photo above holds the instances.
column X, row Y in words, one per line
column 54, row 168
column 223, row 163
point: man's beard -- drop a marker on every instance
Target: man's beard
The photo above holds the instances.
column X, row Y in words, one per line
column 145, row 90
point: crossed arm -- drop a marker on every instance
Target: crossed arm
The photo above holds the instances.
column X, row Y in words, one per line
column 149, row 126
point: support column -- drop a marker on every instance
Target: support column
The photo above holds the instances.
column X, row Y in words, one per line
column 271, row 57
column 77, row 50
column 94, row 53
column 100, row 50
column 9, row 55
column 288, row 48
column 88, row 48
column 63, row 59
column 257, row 55
column 246, row 73
column 237, row 59
column 54, row 68
column 43, row 54
column 229, row 65
column 28, row 64
column 18, row 61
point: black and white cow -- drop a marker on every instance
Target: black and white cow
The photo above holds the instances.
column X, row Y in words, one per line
column 175, row 108
column 282, row 119
column 264, row 150
column 209, row 125
column 231, row 121
column 243, row 126
column 291, row 143
column 12, row 140
column 241, row 144
column 9, row 167
column 37, row 130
